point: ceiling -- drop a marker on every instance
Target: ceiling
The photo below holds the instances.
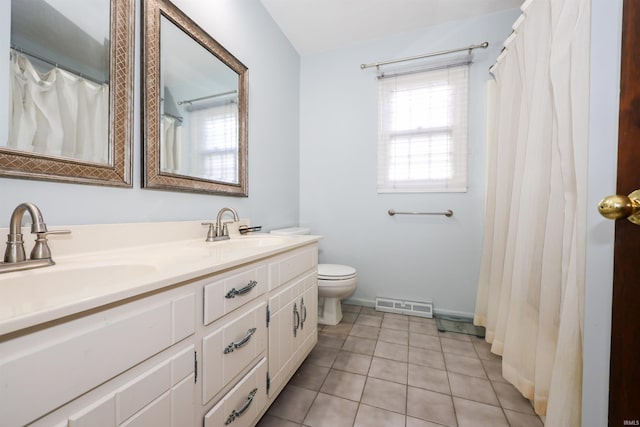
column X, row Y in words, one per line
column 318, row 25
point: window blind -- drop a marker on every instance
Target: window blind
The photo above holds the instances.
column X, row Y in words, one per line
column 422, row 130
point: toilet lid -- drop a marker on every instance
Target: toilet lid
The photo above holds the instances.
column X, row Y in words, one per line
column 335, row 272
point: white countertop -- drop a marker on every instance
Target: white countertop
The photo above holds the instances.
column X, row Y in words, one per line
column 102, row 264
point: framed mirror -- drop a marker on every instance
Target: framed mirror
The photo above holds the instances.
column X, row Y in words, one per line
column 194, row 107
column 69, row 115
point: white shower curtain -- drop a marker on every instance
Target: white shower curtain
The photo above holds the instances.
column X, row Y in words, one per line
column 58, row 113
column 531, row 286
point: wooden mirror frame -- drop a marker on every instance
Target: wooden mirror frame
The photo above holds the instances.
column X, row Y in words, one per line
column 152, row 176
column 20, row 164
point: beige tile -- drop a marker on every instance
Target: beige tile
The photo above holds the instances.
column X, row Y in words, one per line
column 394, row 336
column 522, row 420
column 433, row 359
column 331, row 411
column 423, row 328
column 472, row 388
column 293, row 403
column 348, row 317
column 339, row 329
column 344, row 384
column 493, row 368
column 431, row 406
column 428, row 342
column 389, row 370
column 474, row 414
column 483, row 349
column 511, row 398
column 371, row 312
column 464, row 365
column 352, row 362
column 364, row 331
column 416, row 422
column 388, row 350
column 422, row 320
column 330, row 340
column 322, row 356
column 350, row 308
column 399, row 324
column 385, row 395
column 359, row 345
column 458, row 347
column 429, row 378
column 368, row 320
column 396, row 316
column 455, row 336
column 269, row 421
column 309, row 376
column 369, row 416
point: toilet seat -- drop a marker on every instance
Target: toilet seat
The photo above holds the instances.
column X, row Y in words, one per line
column 335, row 272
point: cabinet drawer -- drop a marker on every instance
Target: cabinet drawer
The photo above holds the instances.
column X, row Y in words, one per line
column 285, row 268
column 231, row 348
column 166, row 388
column 74, row 357
column 243, row 403
column 228, row 293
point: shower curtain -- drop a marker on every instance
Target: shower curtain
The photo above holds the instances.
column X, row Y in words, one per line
column 58, row 113
column 531, row 286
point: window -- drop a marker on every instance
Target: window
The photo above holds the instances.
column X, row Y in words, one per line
column 422, row 133
column 215, row 137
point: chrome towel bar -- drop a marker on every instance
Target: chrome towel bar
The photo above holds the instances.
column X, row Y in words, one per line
column 448, row 213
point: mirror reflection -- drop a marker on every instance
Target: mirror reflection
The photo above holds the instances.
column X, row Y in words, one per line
column 59, row 79
column 195, row 107
column 199, row 110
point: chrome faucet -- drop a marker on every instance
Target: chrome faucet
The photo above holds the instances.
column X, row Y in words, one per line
column 219, row 230
column 14, row 255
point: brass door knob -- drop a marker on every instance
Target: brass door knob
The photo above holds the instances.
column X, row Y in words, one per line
column 617, row 207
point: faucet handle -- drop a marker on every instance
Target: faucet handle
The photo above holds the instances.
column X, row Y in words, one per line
column 41, row 248
column 211, row 233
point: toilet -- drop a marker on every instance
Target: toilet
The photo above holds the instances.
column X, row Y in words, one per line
column 336, row 282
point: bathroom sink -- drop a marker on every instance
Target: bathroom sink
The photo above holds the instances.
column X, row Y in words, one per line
column 259, row 241
column 41, row 288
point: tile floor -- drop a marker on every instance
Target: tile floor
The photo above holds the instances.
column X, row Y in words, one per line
column 387, row 370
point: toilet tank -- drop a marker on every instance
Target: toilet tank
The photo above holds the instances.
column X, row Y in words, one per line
column 291, row 230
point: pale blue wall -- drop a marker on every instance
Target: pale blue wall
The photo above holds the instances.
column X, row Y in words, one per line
column 424, row 258
column 247, row 30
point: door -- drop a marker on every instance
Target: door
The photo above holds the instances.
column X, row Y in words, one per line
column 624, row 376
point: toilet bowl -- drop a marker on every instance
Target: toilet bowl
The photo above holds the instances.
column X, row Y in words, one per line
column 336, row 282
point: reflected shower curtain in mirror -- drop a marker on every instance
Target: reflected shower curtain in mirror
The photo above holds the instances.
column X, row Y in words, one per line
column 170, row 144
column 58, row 113
column 531, row 285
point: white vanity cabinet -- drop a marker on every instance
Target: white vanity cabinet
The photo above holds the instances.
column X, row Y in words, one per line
column 293, row 314
column 212, row 350
column 47, row 367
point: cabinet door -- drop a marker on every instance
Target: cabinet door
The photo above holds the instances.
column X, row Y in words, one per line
column 284, row 332
column 309, row 308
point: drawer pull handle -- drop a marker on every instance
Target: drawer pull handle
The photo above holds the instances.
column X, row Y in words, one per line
column 237, row 413
column 304, row 313
column 233, row 292
column 243, row 341
column 296, row 322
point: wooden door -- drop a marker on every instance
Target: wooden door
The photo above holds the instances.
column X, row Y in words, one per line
column 624, row 380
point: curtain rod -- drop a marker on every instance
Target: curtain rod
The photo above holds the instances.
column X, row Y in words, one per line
column 427, row 55
column 57, row 65
column 189, row 101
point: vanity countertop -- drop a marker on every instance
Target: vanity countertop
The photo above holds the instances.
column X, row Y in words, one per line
column 133, row 259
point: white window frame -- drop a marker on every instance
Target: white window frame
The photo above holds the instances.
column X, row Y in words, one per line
column 422, row 142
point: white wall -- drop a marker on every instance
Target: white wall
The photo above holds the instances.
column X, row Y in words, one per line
column 424, row 258
column 247, row 31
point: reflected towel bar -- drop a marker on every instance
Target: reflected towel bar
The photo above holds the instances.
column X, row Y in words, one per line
column 447, row 213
